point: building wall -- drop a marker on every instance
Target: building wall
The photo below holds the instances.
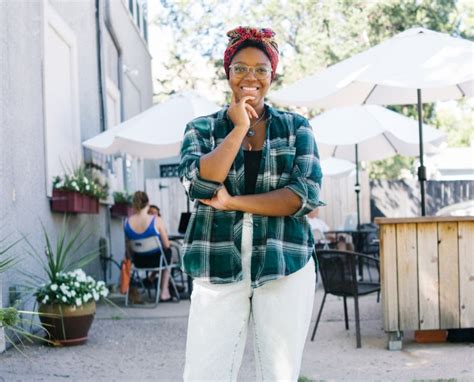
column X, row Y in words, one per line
column 24, row 204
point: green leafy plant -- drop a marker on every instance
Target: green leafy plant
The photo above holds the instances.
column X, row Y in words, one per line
column 59, row 259
column 82, row 180
column 11, row 317
column 122, row 197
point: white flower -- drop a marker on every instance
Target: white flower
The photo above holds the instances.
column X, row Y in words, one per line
column 87, row 297
column 104, row 292
column 96, row 295
column 64, row 298
column 73, row 293
column 78, row 302
column 85, row 180
column 54, row 287
column 77, row 285
column 45, row 299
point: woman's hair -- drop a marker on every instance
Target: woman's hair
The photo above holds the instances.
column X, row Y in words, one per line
column 252, row 44
column 140, row 200
column 156, row 208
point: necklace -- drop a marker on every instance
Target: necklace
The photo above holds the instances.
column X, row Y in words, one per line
column 251, row 131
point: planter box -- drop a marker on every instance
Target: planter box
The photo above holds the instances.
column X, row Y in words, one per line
column 121, row 210
column 68, row 201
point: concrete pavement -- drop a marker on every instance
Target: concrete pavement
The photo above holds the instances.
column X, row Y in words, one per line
column 149, row 344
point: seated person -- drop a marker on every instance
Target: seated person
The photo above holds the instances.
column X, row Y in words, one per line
column 318, row 226
column 141, row 225
column 154, row 210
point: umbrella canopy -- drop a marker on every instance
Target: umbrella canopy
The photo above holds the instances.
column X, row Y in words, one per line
column 157, row 132
column 386, row 74
column 379, row 133
column 337, row 168
column 369, row 132
column 396, row 71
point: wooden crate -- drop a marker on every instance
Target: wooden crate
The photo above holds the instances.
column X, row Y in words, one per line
column 427, row 272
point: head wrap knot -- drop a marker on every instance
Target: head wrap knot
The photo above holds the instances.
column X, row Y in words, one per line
column 263, row 36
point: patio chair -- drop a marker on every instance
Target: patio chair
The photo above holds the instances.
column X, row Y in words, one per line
column 339, row 275
column 148, row 255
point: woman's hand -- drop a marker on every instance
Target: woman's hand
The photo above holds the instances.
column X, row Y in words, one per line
column 241, row 112
column 221, row 201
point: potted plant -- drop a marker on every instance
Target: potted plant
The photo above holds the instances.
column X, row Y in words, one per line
column 122, row 205
column 78, row 192
column 66, row 296
column 67, row 306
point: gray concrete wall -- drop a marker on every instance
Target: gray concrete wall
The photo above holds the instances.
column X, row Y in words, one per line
column 23, row 200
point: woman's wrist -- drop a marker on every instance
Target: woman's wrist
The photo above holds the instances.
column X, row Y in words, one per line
column 233, row 203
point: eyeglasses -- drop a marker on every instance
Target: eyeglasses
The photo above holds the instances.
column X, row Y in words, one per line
column 240, row 70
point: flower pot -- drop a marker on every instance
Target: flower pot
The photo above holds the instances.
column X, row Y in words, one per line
column 67, row 325
column 121, row 210
column 69, row 201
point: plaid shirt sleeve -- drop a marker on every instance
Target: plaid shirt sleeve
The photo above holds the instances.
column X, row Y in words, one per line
column 306, row 176
column 197, row 142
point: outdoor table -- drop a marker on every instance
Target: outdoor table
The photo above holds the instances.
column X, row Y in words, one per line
column 356, row 234
column 427, row 274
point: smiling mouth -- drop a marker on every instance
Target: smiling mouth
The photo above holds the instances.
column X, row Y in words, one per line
column 249, row 89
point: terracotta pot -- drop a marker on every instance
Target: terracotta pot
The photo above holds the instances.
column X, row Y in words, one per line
column 67, row 325
column 69, row 201
column 121, row 210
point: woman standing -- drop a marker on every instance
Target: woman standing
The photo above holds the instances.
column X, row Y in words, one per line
column 255, row 173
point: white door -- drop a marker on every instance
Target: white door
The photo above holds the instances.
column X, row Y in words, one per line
column 169, row 195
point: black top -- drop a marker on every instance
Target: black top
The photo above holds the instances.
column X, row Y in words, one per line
column 251, row 167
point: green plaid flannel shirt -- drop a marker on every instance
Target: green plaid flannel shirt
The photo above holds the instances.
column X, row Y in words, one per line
column 281, row 245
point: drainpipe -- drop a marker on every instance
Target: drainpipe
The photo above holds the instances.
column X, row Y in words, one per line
column 103, row 115
column 115, row 40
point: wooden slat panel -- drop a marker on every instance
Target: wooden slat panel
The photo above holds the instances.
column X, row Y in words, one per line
column 407, row 277
column 448, row 275
column 424, row 219
column 466, row 273
column 388, row 262
column 428, row 281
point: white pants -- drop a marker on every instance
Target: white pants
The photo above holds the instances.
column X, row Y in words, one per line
column 280, row 312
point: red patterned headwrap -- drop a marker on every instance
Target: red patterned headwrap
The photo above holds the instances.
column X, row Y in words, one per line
column 263, row 36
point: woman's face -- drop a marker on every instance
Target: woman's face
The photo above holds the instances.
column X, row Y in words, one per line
column 249, row 85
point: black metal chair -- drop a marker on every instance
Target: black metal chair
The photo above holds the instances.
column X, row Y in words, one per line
column 339, row 275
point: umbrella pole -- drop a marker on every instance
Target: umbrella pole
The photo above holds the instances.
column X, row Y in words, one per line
column 357, row 185
column 422, row 168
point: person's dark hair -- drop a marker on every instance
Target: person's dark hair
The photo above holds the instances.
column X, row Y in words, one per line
column 156, row 208
column 252, row 44
column 140, row 200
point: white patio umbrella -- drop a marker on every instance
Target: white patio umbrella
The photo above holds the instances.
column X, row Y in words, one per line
column 395, row 71
column 157, row 132
column 337, row 168
column 369, row 133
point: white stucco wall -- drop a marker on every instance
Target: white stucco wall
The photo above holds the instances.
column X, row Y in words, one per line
column 23, row 200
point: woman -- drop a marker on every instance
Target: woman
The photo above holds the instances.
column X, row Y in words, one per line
column 255, row 173
column 142, row 225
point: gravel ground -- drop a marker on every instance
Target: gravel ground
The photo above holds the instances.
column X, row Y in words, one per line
column 149, row 344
